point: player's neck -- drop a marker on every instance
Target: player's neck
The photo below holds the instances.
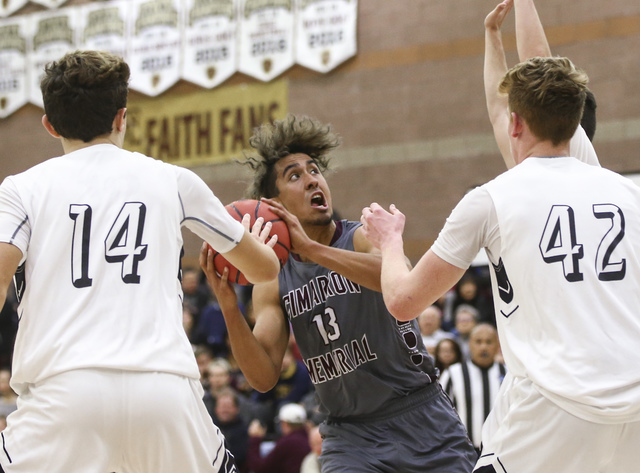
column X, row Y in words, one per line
column 545, row 148
column 322, row 234
column 70, row 146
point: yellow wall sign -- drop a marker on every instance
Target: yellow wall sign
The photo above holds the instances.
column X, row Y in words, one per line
column 211, row 126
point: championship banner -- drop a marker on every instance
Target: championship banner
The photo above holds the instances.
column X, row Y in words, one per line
column 211, row 126
column 7, row 7
column 53, row 35
column 209, row 54
column 266, row 38
column 13, row 65
column 325, row 33
column 155, row 43
column 50, row 3
column 103, row 26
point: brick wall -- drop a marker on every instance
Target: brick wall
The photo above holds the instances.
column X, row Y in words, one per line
column 410, row 106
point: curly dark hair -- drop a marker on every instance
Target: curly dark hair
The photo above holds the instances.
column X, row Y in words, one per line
column 83, row 92
column 292, row 135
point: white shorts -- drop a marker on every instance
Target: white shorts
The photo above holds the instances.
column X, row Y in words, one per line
column 529, row 434
column 100, row 421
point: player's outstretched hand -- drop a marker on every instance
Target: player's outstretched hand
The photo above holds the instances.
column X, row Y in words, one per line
column 220, row 285
column 494, row 20
column 299, row 238
column 382, row 227
column 259, row 232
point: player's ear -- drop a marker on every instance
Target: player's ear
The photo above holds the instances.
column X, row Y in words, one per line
column 49, row 127
column 120, row 121
column 516, row 124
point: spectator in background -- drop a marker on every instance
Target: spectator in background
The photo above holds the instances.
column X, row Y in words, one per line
column 234, row 428
column 203, row 358
column 211, row 330
column 289, row 450
column 292, row 386
column 311, row 464
column 466, row 318
column 219, row 377
column 194, row 294
column 188, row 321
column 447, row 353
column 473, row 385
column 8, row 397
column 430, row 321
column 467, row 292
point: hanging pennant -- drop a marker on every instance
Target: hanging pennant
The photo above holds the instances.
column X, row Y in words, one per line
column 103, row 26
column 50, row 3
column 7, row 7
column 154, row 45
column 209, row 42
column 13, row 64
column 53, row 35
column 325, row 33
column 266, row 38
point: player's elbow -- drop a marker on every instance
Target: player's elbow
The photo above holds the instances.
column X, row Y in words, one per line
column 263, row 384
column 401, row 307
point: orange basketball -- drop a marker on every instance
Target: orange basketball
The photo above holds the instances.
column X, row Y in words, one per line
column 255, row 209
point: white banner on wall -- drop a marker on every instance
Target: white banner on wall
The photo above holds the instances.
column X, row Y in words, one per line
column 50, row 3
column 7, row 7
column 14, row 43
column 266, row 38
column 209, row 54
column 53, row 35
column 103, row 26
column 155, row 44
column 325, row 33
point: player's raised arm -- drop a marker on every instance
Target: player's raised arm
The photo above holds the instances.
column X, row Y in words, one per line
column 495, row 67
column 530, row 35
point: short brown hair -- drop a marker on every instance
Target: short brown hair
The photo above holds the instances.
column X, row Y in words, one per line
column 272, row 142
column 549, row 94
column 83, row 92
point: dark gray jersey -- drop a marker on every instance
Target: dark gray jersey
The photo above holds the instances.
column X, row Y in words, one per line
column 359, row 356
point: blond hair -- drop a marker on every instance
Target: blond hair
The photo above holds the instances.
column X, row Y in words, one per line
column 549, row 94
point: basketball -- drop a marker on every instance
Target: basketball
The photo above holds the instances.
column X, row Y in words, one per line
column 255, row 209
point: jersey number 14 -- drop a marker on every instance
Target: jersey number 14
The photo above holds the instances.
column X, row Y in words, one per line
column 123, row 243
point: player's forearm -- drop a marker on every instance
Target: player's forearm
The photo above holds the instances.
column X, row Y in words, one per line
column 254, row 362
column 530, row 36
column 398, row 295
column 495, row 67
column 360, row 268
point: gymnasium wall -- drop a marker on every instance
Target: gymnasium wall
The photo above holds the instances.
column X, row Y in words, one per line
column 410, row 106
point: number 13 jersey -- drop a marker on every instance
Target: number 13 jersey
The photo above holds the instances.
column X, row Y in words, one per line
column 100, row 234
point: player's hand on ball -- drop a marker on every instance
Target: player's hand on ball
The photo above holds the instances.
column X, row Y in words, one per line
column 260, row 230
column 299, row 238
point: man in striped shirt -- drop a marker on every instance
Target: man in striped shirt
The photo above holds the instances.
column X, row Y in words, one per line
column 473, row 384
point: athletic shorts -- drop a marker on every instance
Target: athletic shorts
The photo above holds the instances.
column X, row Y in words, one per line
column 101, row 421
column 419, row 434
column 530, row 434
